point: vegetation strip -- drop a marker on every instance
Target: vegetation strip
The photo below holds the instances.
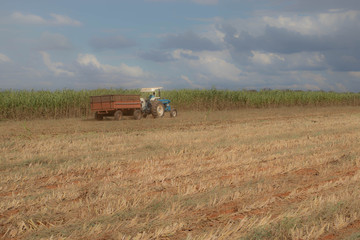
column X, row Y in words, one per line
column 23, row 104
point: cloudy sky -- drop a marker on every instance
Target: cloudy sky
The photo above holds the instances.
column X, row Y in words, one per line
column 227, row 44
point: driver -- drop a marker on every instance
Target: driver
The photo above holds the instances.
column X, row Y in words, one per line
column 152, row 96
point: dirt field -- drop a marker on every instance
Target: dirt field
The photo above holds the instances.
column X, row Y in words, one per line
column 288, row 173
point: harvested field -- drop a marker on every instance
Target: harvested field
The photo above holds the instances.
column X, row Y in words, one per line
column 284, row 173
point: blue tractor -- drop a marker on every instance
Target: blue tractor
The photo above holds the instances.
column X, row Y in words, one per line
column 154, row 105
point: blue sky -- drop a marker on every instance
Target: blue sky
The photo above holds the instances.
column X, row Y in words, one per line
column 227, row 44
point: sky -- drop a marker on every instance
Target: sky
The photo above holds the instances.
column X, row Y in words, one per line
column 194, row 44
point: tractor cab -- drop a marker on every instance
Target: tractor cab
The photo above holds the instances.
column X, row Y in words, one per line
column 155, row 93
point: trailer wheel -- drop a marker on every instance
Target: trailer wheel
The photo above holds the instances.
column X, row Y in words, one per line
column 98, row 116
column 157, row 109
column 118, row 115
column 137, row 114
column 173, row 113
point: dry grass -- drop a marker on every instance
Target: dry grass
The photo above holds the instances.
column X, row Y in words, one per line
column 287, row 173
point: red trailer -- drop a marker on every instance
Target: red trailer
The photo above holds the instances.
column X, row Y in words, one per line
column 116, row 105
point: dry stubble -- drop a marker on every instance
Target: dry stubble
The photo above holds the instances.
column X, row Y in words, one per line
column 256, row 173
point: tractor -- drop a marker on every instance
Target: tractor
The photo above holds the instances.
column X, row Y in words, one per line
column 154, row 105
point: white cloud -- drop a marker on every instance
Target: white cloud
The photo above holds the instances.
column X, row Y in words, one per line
column 209, row 62
column 89, row 60
column 131, row 71
column 304, row 61
column 306, row 80
column 191, row 83
column 56, row 19
column 55, row 67
column 265, row 58
column 213, row 33
column 318, row 24
column 27, row 18
column 4, row 58
column 218, row 67
column 301, row 61
column 63, row 20
column 315, row 59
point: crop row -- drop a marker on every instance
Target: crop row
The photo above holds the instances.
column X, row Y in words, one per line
column 23, row 104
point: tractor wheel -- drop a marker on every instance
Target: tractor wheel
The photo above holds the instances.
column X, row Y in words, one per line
column 118, row 115
column 157, row 109
column 137, row 114
column 173, row 113
column 98, row 116
column 144, row 115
